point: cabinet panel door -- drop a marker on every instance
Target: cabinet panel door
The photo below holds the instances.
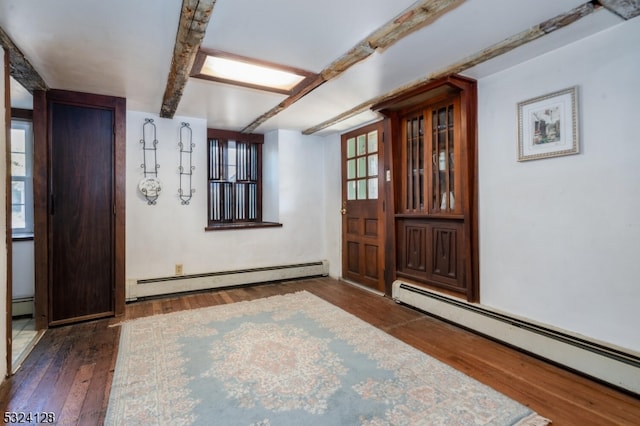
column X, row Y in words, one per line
column 444, row 260
column 429, row 251
column 412, row 239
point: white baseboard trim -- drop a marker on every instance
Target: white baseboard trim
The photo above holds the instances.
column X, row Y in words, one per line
column 617, row 366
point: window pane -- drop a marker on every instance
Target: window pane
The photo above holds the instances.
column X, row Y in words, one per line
column 21, row 144
column 373, row 165
column 362, row 167
column 373, row 188
column 254, row 162
column 246, row 164
column 241, row 162
column 362, row 189
column 216, row 155
column 351, row 147
column 234, row 181
column 18, row 140
column 18, row 164
column 253, row 201
column 18, row 195
column 373, row 141
column 351, row 169
column 231, row 161
column 351, row 190
column 18, row 217
column 362, row 145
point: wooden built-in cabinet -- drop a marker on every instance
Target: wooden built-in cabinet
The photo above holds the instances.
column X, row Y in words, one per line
column 433, row 185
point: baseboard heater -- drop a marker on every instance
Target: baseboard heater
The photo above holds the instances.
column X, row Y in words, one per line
column 22, row 306
column 613, row 365
column 185, row 283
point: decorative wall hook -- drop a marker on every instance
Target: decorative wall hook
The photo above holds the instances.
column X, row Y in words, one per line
column 186, row 167
column 150, row 186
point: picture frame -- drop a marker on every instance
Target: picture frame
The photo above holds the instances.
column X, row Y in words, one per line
column 548, row 125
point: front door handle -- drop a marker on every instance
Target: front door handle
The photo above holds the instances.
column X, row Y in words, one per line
column 343, row 210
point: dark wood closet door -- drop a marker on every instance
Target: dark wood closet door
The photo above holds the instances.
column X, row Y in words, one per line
column 81, row 244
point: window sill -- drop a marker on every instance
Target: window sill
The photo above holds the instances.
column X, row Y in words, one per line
column 242, row 225
column 25, row 236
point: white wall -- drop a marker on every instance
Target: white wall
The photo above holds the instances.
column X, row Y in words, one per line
column 3, row 222
column 160, row 236
column 560, row 237
column 333, row 197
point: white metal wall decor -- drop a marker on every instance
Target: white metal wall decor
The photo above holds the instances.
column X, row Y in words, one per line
column 186, row 168
column 150, row 186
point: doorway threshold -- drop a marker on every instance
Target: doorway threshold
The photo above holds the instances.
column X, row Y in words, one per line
column 363, row 287
column 24, row 338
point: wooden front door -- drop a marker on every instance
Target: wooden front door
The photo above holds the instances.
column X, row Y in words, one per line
column 362, row 201
column 81, row 212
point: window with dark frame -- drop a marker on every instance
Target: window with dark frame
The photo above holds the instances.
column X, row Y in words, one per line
column 21, row 177
column 234, row 180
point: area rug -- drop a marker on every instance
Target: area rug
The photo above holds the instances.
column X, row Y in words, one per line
column 289, row 360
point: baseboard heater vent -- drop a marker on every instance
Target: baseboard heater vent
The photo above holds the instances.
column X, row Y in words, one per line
column 616, row 366
column 184, row 283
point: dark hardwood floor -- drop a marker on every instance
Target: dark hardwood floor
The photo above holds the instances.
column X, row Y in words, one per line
column 70, row 370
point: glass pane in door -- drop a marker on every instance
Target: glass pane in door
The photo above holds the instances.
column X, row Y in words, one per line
column 372, row 137
column 362, row 145
column 351, row 190
column 351, row 169
column 362, row 189
column 373, row 165
column 373, row 188
column 362, row 166
column 351, row 147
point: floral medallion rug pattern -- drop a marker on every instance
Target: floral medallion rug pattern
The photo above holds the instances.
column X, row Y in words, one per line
column 289, row 360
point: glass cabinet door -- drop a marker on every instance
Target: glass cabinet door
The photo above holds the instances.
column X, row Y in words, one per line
column 443, row 188
column 430, row 153
column 414, row 163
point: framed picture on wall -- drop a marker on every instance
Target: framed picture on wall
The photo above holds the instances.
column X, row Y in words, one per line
column 548, row 125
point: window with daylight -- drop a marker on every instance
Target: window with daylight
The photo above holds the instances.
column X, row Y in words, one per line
column 235, row 180
column 21, row 178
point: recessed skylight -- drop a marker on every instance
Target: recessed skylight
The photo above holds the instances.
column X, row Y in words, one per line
column 233, row 69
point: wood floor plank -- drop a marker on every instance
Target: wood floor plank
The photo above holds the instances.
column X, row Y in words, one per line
column 64, row 368
column 225, row 297
column 72, row 408
column 38, row 361
column 97, row 398
column 70, row 371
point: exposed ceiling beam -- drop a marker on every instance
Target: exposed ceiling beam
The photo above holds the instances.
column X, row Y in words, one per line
column 194, row 19
column 490, row 52
column 626, row 9
column 19, row 66
column 418, row 15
